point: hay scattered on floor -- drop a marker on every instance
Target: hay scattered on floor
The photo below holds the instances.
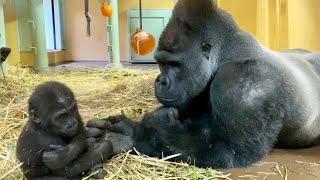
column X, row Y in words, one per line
column 100, row 93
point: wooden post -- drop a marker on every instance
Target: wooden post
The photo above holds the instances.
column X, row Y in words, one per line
column 39, row 50
column 283, row 25
column 2, row 36
column 263, row 21
column 114, row 39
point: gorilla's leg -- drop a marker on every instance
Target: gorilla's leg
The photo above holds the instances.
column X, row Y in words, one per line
column 249, row 116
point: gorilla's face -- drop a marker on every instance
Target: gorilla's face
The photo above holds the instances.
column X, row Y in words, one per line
column 184, row 59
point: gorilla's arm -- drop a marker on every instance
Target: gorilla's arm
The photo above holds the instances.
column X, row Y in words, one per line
column 158, row 134
column 96, row 154
column 61, row 155
column 248, row 110
column 76, row 147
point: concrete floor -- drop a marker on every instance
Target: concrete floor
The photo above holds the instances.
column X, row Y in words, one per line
column 101, row 64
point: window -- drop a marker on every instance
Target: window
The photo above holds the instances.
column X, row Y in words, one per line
column 53, row 14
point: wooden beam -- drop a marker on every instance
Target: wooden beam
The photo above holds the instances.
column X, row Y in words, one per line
column 283, row 25
column 40, row 54
column 115, row 39
column 263, row 22
column 2, row 36
column 218, row 3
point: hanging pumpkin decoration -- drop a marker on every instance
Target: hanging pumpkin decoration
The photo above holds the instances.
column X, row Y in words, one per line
column 106, row 10
column 142, row 42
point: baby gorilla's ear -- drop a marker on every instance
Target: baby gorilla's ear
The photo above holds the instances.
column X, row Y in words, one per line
column 34, row 117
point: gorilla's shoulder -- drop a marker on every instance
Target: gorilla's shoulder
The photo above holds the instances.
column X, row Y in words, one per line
column 244, row 69
column 248, row 81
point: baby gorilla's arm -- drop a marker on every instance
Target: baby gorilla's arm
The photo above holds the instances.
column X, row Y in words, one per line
column 97, row 154
column 60, row 156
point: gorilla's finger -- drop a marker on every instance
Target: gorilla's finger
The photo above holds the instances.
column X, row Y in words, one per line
column 98, row 172
column 93, row 132
column 176, row 113
column 114, row 119
column 172, row 119
column 117, row 128
column 97, row 124
column 91, row 141
column 49, row 156
column 56, row 147
column 173, row 115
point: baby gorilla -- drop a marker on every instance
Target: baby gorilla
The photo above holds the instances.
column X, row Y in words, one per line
column 4, row 53
column 53, row 144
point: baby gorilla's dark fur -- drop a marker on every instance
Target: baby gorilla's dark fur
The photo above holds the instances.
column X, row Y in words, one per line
column 4, row 53
column 53, row 143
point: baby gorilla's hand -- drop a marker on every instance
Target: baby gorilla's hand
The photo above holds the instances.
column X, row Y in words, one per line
column 56, row 158
column 116, row 129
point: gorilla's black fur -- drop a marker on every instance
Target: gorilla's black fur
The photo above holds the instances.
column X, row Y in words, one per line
column 53, row 143
column 4, row 53
column 227, row 99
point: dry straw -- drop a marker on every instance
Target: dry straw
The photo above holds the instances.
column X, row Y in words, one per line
column 100, row 93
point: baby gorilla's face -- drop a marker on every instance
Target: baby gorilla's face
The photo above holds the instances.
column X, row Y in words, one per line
column 4, row 53
column 65, row 121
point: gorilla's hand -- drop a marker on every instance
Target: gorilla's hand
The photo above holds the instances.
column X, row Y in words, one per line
column 163, row 119
column 117, row 124
column 116, row 129
column 162, row 125
column 160, row 133
column 168, row 115
column 56, row 158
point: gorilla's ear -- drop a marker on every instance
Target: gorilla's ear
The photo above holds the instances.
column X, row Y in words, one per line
column 34, row 116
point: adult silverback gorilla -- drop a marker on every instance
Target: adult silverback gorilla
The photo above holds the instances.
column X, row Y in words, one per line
column 227, row 99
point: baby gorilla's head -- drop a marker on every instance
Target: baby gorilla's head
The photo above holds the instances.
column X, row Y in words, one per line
column 4, row 53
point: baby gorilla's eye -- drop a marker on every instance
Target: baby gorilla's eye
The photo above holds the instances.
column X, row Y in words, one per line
column 62, row 117
column 74, row 108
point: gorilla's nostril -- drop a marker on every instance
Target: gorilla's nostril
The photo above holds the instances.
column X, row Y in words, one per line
column 165, row 82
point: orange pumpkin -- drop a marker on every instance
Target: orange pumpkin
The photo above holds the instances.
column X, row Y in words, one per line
column 106, row 10
column 142, row 43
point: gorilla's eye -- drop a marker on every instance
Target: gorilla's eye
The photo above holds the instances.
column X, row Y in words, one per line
column 62, row 116
column 171, row 47
column 206, row 47
column 173, row 63
column 188, row 26
column 74, row 108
